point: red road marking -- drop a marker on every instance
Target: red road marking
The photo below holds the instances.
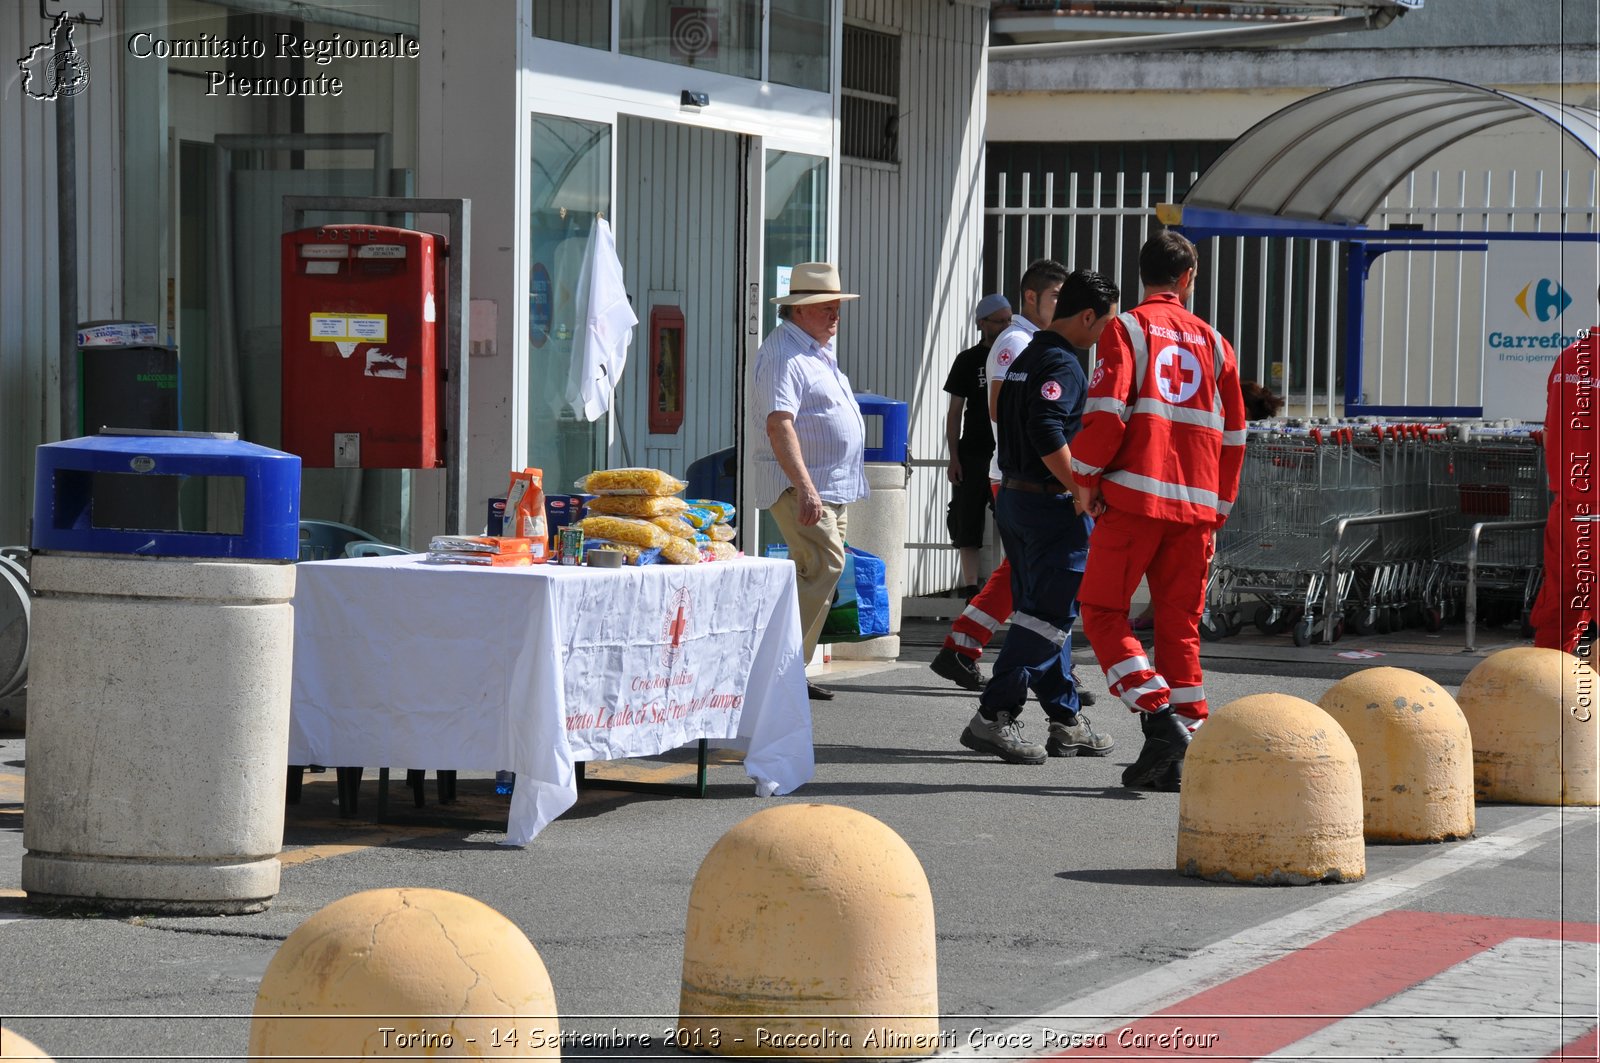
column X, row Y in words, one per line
column 1276, row 1005
column 1585, row 1047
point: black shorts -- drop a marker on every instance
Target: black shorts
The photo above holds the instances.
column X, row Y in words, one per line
column 968, row 516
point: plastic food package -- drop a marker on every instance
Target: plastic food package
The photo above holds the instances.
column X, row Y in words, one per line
column 636, row 505
column 700, row 517
column 480, row 544
column 721, row 551
column 722, row 533
column 680, row 551
column 724, row 510
column 675, row 526
column 629, row 482
column 624, row 530
column 525, row 516
column 467, row 557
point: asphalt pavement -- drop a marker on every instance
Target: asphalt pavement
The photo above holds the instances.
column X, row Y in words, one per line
column 1057, row 904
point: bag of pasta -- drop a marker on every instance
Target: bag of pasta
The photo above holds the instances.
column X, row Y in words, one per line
column 723, row 510
column 629, row 482
column 675, row 526
column 719, row 551
column 636, row 505
column 624, row 530
column 722, row 533
column 680, row 551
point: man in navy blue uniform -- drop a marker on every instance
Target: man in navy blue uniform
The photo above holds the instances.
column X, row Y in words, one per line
column 1046, row 537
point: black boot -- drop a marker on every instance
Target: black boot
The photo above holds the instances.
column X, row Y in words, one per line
column 1166, row 740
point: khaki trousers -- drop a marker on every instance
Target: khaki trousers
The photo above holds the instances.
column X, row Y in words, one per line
column 818, row 555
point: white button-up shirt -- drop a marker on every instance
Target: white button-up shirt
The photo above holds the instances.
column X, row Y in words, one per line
column 797, row 375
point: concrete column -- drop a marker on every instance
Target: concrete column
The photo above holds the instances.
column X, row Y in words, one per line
column 877, row 524
column 158, row 732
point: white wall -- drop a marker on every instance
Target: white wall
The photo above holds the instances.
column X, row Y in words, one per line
column 911, row 242
column 29, row 401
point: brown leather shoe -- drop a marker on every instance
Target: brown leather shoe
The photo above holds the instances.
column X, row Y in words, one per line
column 816, row 693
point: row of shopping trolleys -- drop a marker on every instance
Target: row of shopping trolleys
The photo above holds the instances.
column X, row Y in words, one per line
column 1372, row 526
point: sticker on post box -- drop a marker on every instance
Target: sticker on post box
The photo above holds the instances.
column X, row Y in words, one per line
column 328, row 328
column 356, row 328
column 382, row 363
column 369, row 328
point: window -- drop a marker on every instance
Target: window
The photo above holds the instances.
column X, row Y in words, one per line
column 571, row 187
column 723, row 36
column 796, row 223
column 870, row 123
column 580, row 22
column 799, row 44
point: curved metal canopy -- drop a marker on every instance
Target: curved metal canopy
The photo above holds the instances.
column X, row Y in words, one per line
column 1332, row 158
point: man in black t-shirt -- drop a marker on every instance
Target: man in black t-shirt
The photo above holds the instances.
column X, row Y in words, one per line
column 968, row 436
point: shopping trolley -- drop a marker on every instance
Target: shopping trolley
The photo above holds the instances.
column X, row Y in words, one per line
column 1492, row 488
column 1284, row 545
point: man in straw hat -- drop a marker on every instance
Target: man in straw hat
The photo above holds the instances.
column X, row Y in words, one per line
column 808, row 463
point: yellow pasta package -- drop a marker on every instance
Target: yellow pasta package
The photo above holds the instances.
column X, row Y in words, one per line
column 624, row 530
column 629, row 482
column 722, row 533
column 680, row 551
column 675, row 526
column 636, row 505
column 721, row 551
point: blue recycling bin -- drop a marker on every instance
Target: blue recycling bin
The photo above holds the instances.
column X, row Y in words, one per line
column 886, row 423
column 69, row 473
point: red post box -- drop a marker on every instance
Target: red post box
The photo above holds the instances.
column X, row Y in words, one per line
column 363, row 347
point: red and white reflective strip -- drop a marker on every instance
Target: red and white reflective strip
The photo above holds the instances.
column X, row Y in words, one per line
column 1190, row 704
column 1138, row 684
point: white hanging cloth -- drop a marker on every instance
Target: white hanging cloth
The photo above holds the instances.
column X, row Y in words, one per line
column 605, row 328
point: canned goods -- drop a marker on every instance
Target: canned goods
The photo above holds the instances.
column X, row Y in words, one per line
column 571, row 545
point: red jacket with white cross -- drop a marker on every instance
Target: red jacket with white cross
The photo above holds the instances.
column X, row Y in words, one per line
column 1164, row 427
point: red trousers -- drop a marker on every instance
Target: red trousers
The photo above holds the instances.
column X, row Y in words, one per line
column 1123, row 549
column 1565, row 605
column 982, row 617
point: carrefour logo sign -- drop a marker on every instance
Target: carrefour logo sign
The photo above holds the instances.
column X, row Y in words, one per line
column 1550, row 300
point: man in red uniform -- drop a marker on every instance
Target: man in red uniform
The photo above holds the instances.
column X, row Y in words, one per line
column 1157, row 465
column 1565, row 606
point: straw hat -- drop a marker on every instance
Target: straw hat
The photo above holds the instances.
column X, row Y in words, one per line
column 813, row 282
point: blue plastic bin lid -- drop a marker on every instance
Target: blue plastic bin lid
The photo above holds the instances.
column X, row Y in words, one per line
column 65, row 475
column 866, row 399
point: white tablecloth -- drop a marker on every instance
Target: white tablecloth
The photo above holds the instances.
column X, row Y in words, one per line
column 403, row 663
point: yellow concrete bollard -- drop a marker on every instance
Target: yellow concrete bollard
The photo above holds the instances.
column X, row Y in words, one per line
column 1532, row 713
column 16, row 1046
column 810, row 933
column 1415, row 753
column 1271, row 795
column 405, row 973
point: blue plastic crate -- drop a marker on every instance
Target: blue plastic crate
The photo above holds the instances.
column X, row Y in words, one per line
column 66, row 475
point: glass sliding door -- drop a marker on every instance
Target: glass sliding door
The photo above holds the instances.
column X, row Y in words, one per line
column 571, row 186
column 795, row 228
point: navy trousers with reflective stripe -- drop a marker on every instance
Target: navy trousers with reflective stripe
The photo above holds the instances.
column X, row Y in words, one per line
column 1046, row 565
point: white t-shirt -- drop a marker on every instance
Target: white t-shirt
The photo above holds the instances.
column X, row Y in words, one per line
column 1002, row 353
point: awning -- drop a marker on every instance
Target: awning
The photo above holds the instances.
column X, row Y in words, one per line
column 1332, row 158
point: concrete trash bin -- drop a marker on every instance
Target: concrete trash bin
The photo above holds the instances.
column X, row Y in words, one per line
column 877, row 523
column 159, row 682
